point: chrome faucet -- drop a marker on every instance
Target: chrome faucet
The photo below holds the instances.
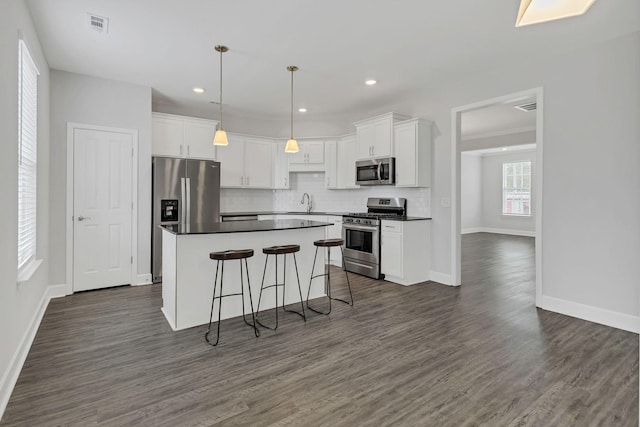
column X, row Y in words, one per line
column 309, row 203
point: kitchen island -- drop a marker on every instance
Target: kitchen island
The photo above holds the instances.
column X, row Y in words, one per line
column 188, row 273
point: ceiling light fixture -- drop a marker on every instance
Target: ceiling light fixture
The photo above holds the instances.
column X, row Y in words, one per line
column 220, row 138
column 302, row 110
column 198, row 90
column 537, row 11
column 292, row 144
column 370, row 82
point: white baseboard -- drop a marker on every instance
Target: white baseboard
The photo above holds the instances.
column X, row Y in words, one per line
column 10, row 377
column 471, row 230
column 525, row 233
column 442, row 278
column 592, row 314
column 143, row 279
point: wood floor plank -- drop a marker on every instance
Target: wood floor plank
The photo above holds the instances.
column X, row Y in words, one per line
column 477, row 355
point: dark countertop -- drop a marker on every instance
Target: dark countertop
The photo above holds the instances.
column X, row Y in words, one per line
column 243, row 226
column 282, row 213
column 231, row 214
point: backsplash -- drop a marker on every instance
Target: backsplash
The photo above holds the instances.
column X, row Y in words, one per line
column 352, row 200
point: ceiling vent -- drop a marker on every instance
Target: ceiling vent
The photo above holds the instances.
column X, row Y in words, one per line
column 98, row 23
column 530, row 106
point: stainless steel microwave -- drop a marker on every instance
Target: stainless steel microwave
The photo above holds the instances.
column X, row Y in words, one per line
column 380, row 171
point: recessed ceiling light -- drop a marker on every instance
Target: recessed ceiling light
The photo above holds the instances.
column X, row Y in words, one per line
column 504, row 148
column 198, row 90
column 302, row 110
column 370, row 82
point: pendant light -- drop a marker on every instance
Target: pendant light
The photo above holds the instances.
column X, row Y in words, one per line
column 292, row 144
column 220, row 137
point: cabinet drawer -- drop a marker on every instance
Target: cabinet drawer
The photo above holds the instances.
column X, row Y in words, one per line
column 392, row 226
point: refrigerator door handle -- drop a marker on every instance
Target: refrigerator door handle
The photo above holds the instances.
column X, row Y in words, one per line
column 188, row 200
column 183, row 208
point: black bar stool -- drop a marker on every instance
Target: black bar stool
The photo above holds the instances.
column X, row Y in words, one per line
column 328, row 243
column 280, row 250
column 223, row 256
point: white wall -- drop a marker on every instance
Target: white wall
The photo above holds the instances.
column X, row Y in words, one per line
column 471, row 192
column 591, row 233
column 89, row 100
column 492, row 218
column 20, row 305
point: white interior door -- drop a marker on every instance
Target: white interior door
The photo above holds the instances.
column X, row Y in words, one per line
column 102, row 209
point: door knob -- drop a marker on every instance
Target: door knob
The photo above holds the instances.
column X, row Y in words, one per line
column 82, row 218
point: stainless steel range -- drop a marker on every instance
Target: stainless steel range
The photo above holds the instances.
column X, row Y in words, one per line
column 361, row 234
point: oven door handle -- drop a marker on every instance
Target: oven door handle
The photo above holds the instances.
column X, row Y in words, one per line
column 359, row 227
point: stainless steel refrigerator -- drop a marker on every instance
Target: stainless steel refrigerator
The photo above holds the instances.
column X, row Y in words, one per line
column 185, row 191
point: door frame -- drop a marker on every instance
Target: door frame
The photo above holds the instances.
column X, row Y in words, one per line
column 71, row 127
column 456, row 113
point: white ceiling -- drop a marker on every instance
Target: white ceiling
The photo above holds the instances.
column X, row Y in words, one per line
column 409, row 46
column 500, row 118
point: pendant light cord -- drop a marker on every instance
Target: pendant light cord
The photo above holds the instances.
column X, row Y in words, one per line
column 292, row 103
column 221, row 128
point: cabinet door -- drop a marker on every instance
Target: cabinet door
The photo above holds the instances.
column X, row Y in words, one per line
column 281, row 171
column 405, row 153
column 167, row 137
column 257, row 164
column 199, row 139
column 346, row 164
column 335, row 232
column 382, row 139
column 298, row 158
column 331, row 164
column 391, row 254
column 365, row 138
column 231, row 158
column 314, row 151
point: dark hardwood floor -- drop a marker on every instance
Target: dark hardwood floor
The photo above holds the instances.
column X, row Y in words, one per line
column 425, row 355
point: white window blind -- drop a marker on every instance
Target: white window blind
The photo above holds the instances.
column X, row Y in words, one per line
column 27, row 155
column 516, row 188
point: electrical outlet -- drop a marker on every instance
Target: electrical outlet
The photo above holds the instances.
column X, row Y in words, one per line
column 445, row 202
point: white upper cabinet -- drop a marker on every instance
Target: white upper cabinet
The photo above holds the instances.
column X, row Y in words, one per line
column 331, row 164
column 346, row 164
column 374, row 136
column 179, row 136
column 413, row 153
column 281, row 166
column 310, row 158
column 245, row 163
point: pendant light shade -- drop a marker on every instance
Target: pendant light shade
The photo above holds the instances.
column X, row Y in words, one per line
column 292, row 144
column 536, row 11
column 220, row 138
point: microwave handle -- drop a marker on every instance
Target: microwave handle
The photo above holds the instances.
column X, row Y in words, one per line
column 380, row 171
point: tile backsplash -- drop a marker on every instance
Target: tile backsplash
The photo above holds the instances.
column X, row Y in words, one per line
column 352, row 200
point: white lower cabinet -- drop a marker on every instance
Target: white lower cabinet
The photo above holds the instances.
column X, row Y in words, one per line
column 405, row 251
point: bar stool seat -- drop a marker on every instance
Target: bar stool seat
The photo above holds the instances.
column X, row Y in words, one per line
column 230, row 255
column 328, row 243
column 280, row 250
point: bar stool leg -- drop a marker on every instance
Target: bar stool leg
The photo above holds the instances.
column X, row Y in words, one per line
column 264, row 272
column 303, row 314
column 253, row 324
column 348, row 284
column 215, row 285
column 327, row 287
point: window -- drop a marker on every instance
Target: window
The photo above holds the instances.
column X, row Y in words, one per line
column 516, row 188
column 27, row 158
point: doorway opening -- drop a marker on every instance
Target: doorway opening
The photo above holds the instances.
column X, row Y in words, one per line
column 497, row 177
